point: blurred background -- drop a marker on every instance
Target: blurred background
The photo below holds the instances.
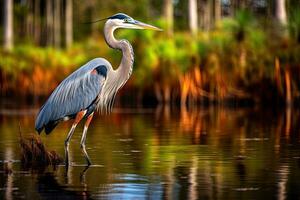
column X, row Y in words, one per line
column 229, row 53
column 233, row 52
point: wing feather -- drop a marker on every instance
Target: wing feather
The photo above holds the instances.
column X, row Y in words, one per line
column 77, row 92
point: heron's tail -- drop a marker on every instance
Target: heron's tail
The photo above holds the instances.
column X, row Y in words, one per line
column 43, row 121
column 39, row 121
column 50, row 126
column 38, row 125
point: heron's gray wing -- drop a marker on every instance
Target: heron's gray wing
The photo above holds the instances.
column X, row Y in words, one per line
column 77, row 92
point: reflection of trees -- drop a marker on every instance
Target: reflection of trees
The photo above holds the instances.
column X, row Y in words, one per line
column 8, row 169
column 283, row 173
column 193, row 191
column 197, row 152
column 231, row 135
column 41, row 184
column 49, row 188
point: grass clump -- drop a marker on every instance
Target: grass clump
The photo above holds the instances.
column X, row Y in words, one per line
column 34, row 153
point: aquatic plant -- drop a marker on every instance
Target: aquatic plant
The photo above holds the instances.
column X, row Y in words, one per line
column 34, row 153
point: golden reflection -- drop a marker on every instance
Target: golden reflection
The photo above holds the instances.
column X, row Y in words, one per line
column 193, row 193
column 194, row 153
column 288, row 116
column 8, row 170
column 170, row 187
column 283, row 173
column 208, row 176
column 278, row 130
column 192, row 122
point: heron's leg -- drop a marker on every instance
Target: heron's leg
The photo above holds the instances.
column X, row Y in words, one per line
column 67, row 143
column 78, row 118
column 82, row 142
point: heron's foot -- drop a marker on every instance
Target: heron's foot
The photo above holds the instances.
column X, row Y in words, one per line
column 87, row 158
column 67, row 162
column 89, row 163
column 83, row 173
column 66, row 153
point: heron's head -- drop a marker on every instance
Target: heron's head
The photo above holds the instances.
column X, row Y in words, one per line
column 121, row 20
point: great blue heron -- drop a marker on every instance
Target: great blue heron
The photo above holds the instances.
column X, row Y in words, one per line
column 91, row 87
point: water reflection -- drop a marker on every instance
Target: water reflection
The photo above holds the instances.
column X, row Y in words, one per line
column 49, row 188
column 163, row 153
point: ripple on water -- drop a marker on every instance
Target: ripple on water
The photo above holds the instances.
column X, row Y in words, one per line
column 245, row 189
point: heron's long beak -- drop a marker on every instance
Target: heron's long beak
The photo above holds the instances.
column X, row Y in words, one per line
column 142, row 25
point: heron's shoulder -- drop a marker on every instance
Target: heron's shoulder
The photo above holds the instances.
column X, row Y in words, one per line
column 89, row 66
column 99, row 61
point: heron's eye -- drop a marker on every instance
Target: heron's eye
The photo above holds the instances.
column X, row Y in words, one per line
column 126, row 20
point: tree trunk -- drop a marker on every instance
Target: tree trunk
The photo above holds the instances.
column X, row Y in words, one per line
column 29, row 19
column 193, row 16
column 270, row 8
column 57, row 24
column 49, row 22
column 168, row 14
column 206, row 14
column 37, row 25
column 69, row 23
column 217, row 9
column 281, row 11
column 93, row 5
column 8, row 24
column 238, row 5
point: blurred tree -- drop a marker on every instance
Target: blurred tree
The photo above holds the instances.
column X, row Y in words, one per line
column 69, row 23
column 217, row 10
column 205, row 14
column 29, row 18
column 281, row 11
column 270, row 4
column 37, row 22
column 243, row 43
column 57, row 23
column 49, row 22
column 8, row 24
column 94, row 6
column 193, row 16
column 239, row 4
column 169, row 16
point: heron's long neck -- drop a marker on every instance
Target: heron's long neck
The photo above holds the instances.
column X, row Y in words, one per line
column 125, row 68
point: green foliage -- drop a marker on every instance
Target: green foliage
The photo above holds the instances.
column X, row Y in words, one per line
column 239, row 51
column 26, row 58
column 242, row 23
column 294, row 24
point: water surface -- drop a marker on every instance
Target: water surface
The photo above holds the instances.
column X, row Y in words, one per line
column 161, row 153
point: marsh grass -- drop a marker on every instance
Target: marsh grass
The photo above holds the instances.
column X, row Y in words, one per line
column 34, row 153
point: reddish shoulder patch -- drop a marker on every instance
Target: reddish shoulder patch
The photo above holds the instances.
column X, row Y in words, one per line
column 94, row 71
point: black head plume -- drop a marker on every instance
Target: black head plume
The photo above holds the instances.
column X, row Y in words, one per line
column 120, row 16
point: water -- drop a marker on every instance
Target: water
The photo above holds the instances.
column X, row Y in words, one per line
column 209, row 153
